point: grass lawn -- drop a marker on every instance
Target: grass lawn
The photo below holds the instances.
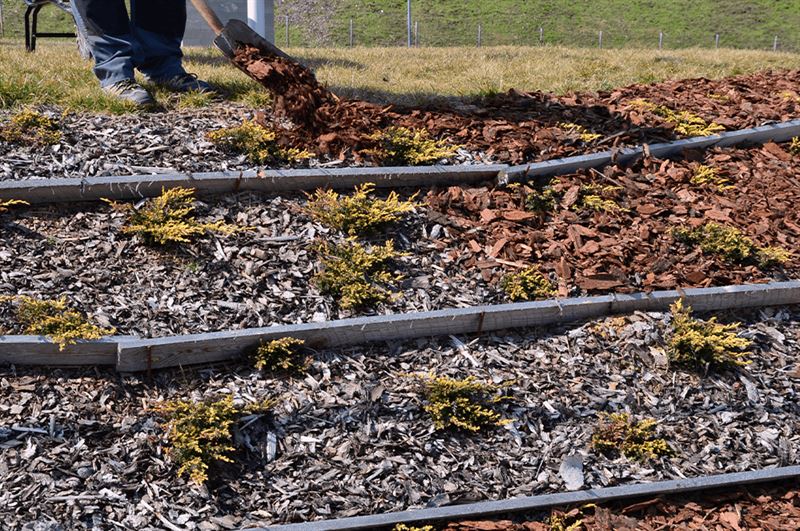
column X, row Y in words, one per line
column 55, row 74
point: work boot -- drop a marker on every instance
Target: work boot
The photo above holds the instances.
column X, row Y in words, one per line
column 130, row 90
column 184, row 83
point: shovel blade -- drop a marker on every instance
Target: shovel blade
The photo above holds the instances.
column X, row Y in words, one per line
column 237, row 34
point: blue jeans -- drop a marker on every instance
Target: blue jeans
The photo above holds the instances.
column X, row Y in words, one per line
column 150, row 40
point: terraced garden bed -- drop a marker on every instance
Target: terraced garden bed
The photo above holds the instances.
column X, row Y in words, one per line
column 458, row 247
column 515, row 127
column 352, row 436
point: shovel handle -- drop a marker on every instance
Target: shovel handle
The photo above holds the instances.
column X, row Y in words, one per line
column 208, row 15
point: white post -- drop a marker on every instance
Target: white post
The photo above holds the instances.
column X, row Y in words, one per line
column 541, row 35
column 287, row 30
column 716, row 40
column 775, row 44
column 480, row 34
column 257, row 16
column 351, row 33
column 416, row 33
column 600, row 39
column 408, row 22
column 660, row 40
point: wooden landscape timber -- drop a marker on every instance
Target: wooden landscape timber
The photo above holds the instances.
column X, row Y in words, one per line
column 135, row 355
column 38, row 191
column 529, row 504
column 782, row 132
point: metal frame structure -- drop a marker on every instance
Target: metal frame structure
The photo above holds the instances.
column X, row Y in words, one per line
column 33, row 7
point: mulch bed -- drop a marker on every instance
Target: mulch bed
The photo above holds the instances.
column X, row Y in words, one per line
column 83, row 447
column 459, row 243
column 774, row 507
column 516, row 127
column 633, row 249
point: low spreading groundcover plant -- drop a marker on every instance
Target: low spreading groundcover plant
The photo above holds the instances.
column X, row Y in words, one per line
column 169, row 218
column 200, row 433
column 54, row 320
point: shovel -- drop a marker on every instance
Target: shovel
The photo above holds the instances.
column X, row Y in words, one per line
column 235, row 35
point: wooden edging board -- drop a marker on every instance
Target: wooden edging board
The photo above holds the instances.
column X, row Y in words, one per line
column 475, row 511
column 136, row 355
column 780, row 132
column 58, row 190
column 139, row 186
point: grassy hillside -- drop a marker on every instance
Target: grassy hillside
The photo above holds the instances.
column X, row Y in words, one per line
column 634, row 23
column 576, row 23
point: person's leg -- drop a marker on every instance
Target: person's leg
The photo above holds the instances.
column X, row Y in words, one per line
column 159, row 26
column 107, row 29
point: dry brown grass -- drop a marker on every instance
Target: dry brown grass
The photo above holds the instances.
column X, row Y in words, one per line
column 390, row 74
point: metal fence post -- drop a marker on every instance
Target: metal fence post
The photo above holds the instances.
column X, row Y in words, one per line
column 287, row 30
column 541, row 35
column 600, row 39
column 480, row 34
column 2, row 21
column 351, row 33
column 408, row 22
column 416, row 33
column 716, row 40
column 775, row 44
column 660, row 40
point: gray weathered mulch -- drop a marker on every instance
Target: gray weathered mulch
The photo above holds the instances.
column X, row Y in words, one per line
column 250, row 279
column 82, row 448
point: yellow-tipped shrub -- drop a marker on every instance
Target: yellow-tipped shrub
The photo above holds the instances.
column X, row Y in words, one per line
column 584, row 134
column 685, row 122
column 618, row 433
column 54, row 320
column 358, row 213
column 257, row 142
column 169, row 219
column 4, row 205
column 526, row 285
column 401, row 146
column 30, row 127
column 696, row 343
column 282, row 355
column 731, row 244
column 466, row 404
column 201, row 433
column 709, row 175
column 357, row 276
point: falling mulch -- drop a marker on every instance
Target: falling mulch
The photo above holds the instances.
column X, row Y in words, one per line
column 459, row 245
column 632, row 248
column 515, row 127
column 84, row 447
column 773, row 507
column 295, row 90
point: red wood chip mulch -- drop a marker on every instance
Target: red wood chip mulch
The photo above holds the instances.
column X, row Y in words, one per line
column 774, row 508
column 634, row 248
column 518, row 127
